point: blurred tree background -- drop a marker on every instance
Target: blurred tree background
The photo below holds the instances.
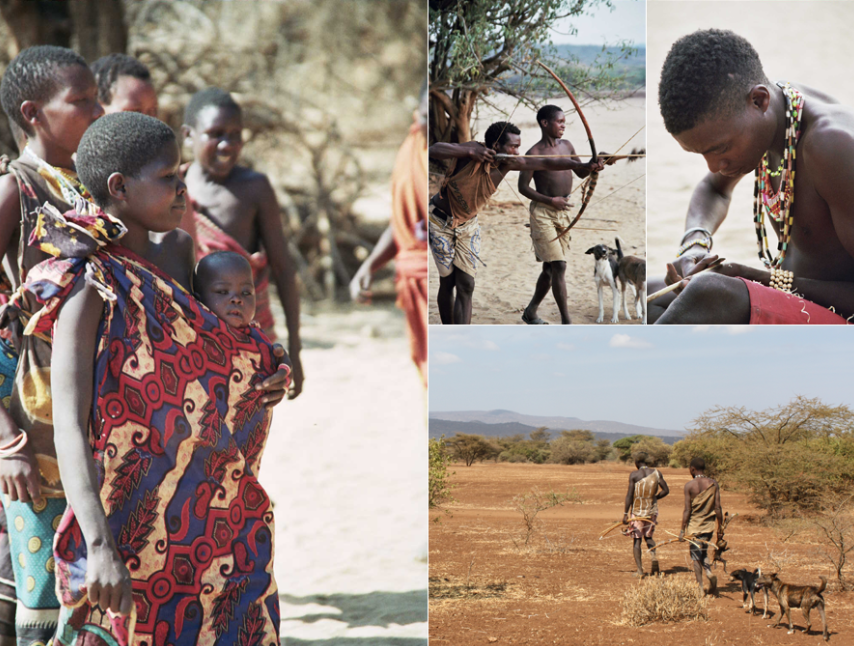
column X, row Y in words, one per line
column 328, row 88
column 482, row 47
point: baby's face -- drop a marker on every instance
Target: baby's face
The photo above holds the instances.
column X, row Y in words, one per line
column 229, row 292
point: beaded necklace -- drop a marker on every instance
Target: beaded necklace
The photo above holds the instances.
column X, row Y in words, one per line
column 779, row 204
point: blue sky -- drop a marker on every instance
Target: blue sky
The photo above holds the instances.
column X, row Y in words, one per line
column 627, row 21
column 659, row 377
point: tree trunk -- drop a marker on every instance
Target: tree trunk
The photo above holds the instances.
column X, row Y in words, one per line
column 450, row 116
column 37, row 22
column 99, row 28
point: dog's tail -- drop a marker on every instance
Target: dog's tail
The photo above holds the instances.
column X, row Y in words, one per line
column 618, row 240
column 823, row 583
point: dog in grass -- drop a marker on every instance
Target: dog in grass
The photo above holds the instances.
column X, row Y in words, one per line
column 805, row 597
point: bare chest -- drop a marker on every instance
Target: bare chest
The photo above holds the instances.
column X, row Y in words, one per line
column 231, row 210
column 815, row 250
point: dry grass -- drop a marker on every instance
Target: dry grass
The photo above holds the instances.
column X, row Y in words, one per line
column 663, row 600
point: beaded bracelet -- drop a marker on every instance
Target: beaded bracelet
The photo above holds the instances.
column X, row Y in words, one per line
column 702, row 230
column 781, row 279
column 707, row 243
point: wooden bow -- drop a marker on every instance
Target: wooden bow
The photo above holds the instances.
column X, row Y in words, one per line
column 643, row 519
column 593, row 178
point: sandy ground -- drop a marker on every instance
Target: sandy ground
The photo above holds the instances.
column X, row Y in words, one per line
column 804, row 42
column 346, row 469
column 505, row 286
column 566, row 587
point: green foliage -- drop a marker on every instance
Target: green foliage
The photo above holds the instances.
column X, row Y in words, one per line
column 439, row 491
column 566, row 450
column 480, row 46
column 472, row 448
column 623, row 446
column 787, row 457
column 657, row 451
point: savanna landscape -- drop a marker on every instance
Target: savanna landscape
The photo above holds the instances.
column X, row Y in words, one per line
column 515, row 555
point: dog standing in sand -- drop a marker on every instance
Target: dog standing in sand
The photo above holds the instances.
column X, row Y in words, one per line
column 805, row 597
column 605, row 273
column 632, row 270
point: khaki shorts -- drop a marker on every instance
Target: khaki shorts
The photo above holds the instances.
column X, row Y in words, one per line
column 454, row 247
column 546, row 223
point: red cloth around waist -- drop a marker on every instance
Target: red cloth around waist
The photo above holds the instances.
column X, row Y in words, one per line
column 770, row 306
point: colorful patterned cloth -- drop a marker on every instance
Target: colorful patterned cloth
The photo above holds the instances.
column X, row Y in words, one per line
column 177, row 431
column 30, row 404
column 210, row 238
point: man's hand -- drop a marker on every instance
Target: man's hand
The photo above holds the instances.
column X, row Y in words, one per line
column 625, row 519
column 610, row 159
column 19, row 473
column 673, row 275
column 595, row 167
column 108, row 580
column 360, row 286
column 681, row 535
column 482, row 153
column 560, row 203
column 297, row 376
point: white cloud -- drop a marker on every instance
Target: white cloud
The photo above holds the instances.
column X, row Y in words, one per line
column 738, row 329
column 489, row 345
column 565, row 346
column 625, row 341
column 444, row 358
column 701, row 328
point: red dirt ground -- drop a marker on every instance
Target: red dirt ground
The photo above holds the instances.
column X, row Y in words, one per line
column 566, row 587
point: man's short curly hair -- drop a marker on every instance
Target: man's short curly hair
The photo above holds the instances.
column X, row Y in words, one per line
column 32, row 76
column 203, row 98
column 109, row 68
column 547, row 113
column 498, row 131
column 707, row 73
column 123, row 142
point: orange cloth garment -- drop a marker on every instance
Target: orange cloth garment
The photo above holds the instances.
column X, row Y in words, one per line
column 409, row 228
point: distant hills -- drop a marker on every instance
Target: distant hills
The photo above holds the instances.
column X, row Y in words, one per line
column 501, row 423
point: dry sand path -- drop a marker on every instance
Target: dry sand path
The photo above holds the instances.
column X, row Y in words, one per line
column 346, row 468
column 505, row 286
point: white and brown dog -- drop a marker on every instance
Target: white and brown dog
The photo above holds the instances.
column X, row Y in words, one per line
column 632, row 270
column 605, row 273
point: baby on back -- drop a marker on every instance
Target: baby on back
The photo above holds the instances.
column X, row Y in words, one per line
column 223, row 282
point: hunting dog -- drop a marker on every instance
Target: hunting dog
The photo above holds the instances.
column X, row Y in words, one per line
column 632, row 270
column 749, row 585
column 605, row 273
column 805, row 597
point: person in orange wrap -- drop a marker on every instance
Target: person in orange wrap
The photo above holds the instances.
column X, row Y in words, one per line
column 405, row 239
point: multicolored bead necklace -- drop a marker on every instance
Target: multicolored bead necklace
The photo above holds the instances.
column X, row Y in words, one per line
column 779, row 204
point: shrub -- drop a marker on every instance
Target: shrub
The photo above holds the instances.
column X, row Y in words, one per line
column 663, row 599
column 439, row 491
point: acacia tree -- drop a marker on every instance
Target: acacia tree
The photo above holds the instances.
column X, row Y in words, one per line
column 477, row 46
column 471, row 448
column 788, row 456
